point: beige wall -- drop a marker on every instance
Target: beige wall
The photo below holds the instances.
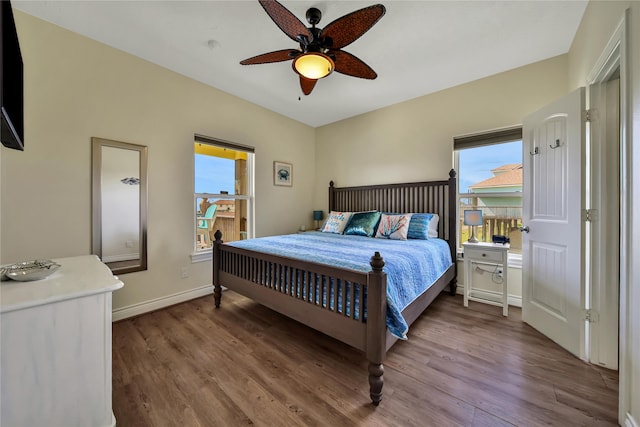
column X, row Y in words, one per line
column 598, row 24
column 413, row 141
column 76, row 88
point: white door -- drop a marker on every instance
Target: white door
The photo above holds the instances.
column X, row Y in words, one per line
column 552, row 250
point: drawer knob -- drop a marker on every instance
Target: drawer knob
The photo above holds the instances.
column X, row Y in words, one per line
column 484, row 254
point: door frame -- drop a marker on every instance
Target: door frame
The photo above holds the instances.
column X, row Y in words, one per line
column 603, row 200
column 615, row 56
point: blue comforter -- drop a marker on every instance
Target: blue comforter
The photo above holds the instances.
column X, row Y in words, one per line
column 412, row 266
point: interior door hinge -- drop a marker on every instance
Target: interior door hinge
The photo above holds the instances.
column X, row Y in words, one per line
column 588, row 115
column 589, row 215
column 591, row 315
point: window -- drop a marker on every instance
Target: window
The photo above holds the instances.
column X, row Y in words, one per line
column 223, row 198
column 490, row 177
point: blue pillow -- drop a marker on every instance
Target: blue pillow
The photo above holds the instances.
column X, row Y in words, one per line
column 419, row 226
column 363, row 224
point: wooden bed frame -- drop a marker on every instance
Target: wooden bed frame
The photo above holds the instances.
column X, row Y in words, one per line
column 276, row 281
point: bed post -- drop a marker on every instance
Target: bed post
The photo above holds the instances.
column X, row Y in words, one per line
column 332, row 197
column 376, row 326
column 453, row 245
column 217, row 290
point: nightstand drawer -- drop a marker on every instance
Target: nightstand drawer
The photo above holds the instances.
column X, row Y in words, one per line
column 480, row 254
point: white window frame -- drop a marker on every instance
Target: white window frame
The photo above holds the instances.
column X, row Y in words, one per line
column 499, row 136
column 203, row 255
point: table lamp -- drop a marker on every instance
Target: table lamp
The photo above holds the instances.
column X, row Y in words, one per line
column 473, row 218
column 317, row 217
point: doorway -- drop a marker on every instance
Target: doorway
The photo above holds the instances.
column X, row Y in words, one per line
column 608, row 88
column 603, row 226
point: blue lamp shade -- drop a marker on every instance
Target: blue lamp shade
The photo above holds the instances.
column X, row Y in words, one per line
column 473, row 217
column 318, row 215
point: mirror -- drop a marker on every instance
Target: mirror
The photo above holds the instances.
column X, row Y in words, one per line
column 119, row 204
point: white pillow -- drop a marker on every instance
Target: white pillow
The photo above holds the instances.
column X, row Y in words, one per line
column 336, row 222
column 433, row 227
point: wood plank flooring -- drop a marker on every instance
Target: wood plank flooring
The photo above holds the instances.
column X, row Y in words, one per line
column 243, row 364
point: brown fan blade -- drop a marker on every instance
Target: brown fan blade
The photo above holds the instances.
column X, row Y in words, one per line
column 307, row 85
column 285, row 20
column 351, row 65
column 347, row 29
column 275, row 56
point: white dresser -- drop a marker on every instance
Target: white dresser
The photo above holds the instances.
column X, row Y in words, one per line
column 55, row 349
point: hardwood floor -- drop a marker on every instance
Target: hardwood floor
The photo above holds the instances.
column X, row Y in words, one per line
column 243, row 364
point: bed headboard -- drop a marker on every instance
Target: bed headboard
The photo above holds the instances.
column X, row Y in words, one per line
column 437, row 197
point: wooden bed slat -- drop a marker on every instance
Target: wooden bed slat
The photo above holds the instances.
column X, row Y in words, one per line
column 317, row 284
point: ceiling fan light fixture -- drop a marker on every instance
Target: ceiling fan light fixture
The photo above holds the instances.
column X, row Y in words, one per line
column 313, row 65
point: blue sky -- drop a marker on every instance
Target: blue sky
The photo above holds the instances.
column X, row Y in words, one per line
column 475, row 164
column 214, row 174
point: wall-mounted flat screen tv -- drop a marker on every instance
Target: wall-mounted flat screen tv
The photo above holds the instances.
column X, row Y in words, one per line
column 11, row 81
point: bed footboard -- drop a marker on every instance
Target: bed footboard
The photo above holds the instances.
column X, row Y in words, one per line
column 328, row 299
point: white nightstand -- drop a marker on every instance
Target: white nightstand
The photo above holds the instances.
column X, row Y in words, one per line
column 485, row 253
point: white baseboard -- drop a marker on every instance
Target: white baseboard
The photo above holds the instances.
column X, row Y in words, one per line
column 166, row 301
column 630, row 421
column 162, row 302
column 513, row 300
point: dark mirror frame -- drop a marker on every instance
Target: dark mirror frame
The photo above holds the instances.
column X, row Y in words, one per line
column 120, row 267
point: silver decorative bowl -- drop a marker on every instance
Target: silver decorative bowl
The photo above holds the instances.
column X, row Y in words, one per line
column 29, row 270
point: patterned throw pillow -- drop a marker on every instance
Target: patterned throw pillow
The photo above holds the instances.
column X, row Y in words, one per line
column 422, row 226
column 394, row 227
column 363, row 224
column 336, row 222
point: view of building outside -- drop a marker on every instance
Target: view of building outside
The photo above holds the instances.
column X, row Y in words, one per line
column 221, row 194
column 490, row 179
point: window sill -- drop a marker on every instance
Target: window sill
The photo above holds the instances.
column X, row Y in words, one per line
column 202, row 256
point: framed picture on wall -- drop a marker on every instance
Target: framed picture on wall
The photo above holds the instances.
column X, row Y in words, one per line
column 282, row 173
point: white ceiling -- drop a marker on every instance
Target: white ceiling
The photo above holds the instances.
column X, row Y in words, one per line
column 417, row 48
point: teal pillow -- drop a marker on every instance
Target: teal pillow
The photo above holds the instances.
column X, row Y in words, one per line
column 363, row 224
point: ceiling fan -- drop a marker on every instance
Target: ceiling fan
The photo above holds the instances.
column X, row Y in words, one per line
column 320, row 50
